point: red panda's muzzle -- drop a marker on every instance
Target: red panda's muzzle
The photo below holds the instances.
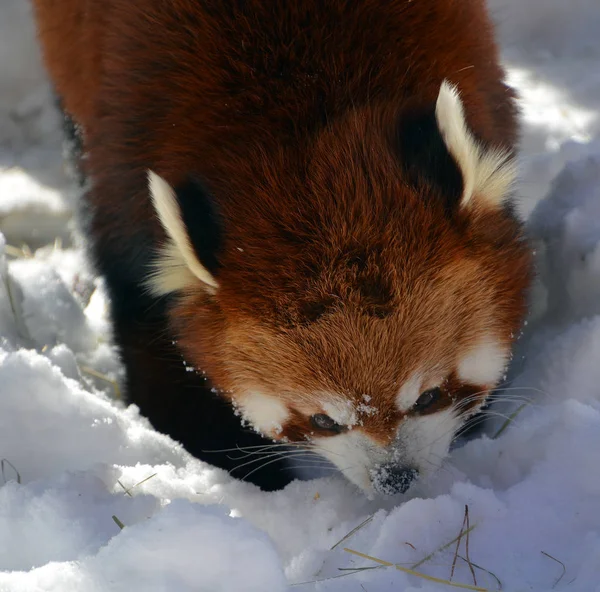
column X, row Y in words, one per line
column 391, row 479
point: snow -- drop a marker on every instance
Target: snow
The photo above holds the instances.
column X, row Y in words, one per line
column 75, row 456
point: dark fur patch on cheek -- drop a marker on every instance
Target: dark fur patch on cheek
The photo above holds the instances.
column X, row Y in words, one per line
column 464, row 396
column 297, row 428
column 456, row 393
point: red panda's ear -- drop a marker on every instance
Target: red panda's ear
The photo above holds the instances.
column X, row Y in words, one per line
column 487, row 173
column 189, row 256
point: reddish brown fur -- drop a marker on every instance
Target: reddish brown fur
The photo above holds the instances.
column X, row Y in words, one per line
column 336, row 274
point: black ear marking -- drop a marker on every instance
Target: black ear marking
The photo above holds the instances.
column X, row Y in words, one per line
column 202, row 221
column 425, row 158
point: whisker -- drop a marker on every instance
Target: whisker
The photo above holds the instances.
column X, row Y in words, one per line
column 271, row 451
column 310, row 466
column 321, row 447
column 503, row 387
column 279, row 455
column 491, row 401
column 275, row 455
column 270, row 462
column 523, row 388
column 263, row 446
column 512, row 400
column 501, row 397
column 484, row 413
column 489, row 413
column 253, row 461
column 504, row 393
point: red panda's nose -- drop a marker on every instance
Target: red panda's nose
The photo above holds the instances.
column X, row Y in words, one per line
column 391, row 479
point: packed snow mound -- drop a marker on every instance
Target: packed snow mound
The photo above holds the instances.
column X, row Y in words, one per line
column 93, row 499
column 147, row 556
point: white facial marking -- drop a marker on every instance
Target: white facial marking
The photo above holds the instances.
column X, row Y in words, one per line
column 487, row 173
column 425, row 441
column 350, row 453
column 341, row 411
column 265, row 413
column 409, row 393
column 484, row 364
column 177, row 264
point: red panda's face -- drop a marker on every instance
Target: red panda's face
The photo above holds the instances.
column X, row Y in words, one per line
column 381, row 311
column 380, row 395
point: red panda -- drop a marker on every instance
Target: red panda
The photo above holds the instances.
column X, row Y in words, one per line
column 310, row 203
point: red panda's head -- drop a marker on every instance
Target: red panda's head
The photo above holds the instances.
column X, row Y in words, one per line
column 362, row 302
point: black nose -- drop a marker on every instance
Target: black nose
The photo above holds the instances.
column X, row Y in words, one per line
column 391, row 479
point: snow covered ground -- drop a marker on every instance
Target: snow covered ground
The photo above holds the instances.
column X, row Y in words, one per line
column 91, row 499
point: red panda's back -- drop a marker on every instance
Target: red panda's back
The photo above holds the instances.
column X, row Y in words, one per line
column 183, row 75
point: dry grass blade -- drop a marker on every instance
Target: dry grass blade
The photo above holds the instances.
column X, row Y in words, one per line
column 11, row 299
column 564, row 568
column 5, row 462
column 351, row 572
column 509, row 420
column 101, row 376
column 353, row 531
column 442, row 548
column 467, row 544
column 118, row 522
column 418, row 574
column 124, row 488
column 142, row 481
column 487, row 571
column 20, row 324
column 458, row 539
column 128, row 490
column 23, row 253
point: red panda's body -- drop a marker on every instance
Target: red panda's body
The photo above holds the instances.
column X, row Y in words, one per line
column 322, row 191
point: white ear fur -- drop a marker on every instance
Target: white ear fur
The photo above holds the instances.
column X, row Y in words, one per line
column 487, row 174
column 177, row 266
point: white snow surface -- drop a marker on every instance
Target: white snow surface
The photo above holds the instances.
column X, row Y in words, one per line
column 74, row 457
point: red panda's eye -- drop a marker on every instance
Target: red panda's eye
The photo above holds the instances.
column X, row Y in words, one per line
column 324, row 422
column 427, row 399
